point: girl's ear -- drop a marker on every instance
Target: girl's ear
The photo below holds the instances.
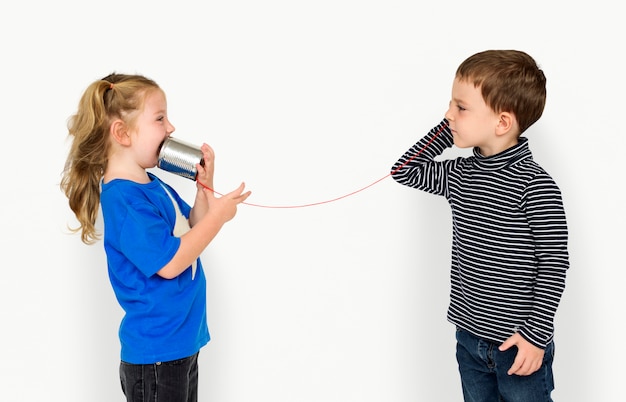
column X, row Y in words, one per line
column 119, row 131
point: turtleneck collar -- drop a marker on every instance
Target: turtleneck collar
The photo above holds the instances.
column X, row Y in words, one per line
column 509, row 156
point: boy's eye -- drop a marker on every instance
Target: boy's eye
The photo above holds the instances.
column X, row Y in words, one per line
column 461, row 108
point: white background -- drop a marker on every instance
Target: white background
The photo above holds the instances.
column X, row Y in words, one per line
column 305, row 101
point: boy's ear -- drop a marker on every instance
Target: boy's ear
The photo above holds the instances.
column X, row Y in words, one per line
column 119, row 131
column 506, row 123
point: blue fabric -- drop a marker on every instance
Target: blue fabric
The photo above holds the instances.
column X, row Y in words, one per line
column 483, row 368
column 165, row 319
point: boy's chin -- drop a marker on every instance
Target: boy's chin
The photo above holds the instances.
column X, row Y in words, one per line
column 462, row 145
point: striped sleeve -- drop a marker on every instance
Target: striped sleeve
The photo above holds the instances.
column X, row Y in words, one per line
column 416, row 168
column 543, row 205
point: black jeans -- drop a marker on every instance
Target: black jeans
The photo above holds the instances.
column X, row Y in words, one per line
column 173, row 381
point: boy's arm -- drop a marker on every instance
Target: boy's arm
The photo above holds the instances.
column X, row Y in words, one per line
column 546, row 217
column 416, row 168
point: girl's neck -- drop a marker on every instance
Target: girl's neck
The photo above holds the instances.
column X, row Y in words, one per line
column 119, row 169
column 112, row 174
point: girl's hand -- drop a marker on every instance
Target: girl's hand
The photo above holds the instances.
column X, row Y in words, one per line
column 224, row 208
column 204, row 178
column 205, row 173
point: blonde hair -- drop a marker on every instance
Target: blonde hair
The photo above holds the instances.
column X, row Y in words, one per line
column 115, row 96
column 510, row 81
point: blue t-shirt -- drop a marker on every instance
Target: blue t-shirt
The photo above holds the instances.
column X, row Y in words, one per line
column 165, row 319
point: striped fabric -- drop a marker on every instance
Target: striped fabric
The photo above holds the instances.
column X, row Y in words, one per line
column 509, row 244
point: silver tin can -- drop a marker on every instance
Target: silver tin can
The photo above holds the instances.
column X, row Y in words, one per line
column 180, row 157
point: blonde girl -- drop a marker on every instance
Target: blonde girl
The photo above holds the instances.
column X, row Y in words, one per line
column 152, row 238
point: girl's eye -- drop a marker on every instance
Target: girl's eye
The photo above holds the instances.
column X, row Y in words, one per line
column 160, row 118
column 461, row 108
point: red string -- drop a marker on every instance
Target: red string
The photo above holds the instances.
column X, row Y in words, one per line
column 346, row 195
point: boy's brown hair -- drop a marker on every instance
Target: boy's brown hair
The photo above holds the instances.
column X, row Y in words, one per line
column 510, row 81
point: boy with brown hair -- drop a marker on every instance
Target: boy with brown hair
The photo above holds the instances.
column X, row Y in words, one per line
column 509, row 240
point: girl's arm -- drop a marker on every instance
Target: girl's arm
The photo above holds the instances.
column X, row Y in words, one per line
column 192, row 243
column 204, row 178
column 206, row 218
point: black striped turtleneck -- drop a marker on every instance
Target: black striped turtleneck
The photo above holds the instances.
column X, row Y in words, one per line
column 509, row 237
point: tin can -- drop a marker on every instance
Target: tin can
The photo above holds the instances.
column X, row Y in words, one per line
column 180, row 157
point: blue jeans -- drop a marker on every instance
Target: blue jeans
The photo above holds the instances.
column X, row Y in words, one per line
column 173, row 381
column 483, row 368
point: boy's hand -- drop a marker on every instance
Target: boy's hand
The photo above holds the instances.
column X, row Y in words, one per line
column 529, row 357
